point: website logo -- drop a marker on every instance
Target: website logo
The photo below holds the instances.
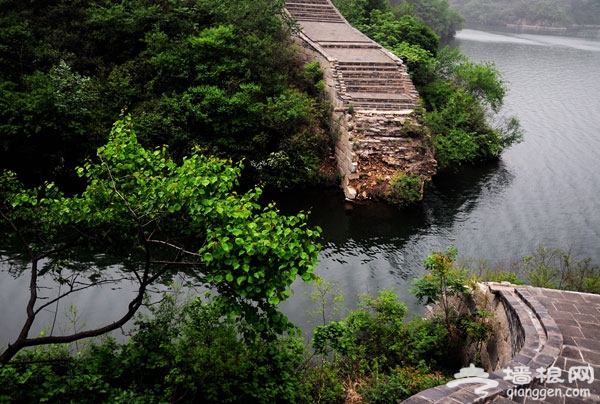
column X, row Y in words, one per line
column 521, row 376
column 474, row 375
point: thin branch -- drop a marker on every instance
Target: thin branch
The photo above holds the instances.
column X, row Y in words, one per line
column 19, row 234
column 23, row 341
column 75, row 290
column 177, row 263
column 176, row 247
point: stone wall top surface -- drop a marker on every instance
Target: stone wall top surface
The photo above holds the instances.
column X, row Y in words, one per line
column 561, row 330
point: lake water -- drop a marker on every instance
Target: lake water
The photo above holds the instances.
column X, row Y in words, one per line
column 543, row 191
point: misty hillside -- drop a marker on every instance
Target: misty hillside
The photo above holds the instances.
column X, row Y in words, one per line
column 546, row 13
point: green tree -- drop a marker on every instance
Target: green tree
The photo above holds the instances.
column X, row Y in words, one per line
column 442, row 281
column 462, row 99
column 202, row 73
column 151, row 218
column 436, row 14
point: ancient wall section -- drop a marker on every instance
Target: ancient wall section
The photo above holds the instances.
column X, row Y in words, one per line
column 374, row 102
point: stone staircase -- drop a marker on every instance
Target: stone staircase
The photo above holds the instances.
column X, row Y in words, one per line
column 369, row 77
column 380, row 86
column 374, row 101
column 314, row 10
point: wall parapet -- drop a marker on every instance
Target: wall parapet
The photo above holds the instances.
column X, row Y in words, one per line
column 536, row 343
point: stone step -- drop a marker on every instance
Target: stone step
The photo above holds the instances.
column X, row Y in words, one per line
column 376, row 97
column 349, row 45
column 313, row 10
column 374, row 90
column 319, row 8
column 381, row 101
column 315, row 5
column 367, row 66
column 382, row 107
column 373, row 74
column 318, row 19
column 361, row 64
column 375, row 81
column 319, row 11
column 307, row 2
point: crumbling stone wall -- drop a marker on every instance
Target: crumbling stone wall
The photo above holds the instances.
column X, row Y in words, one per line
column 373, row 107
column 373, row 145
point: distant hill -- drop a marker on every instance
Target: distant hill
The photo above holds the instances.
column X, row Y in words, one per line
column 543, row 13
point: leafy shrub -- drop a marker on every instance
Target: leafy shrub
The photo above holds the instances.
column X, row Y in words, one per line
column 504, row 276
column 405, row 189
column 189, row 353
column 451, row 287
column 323, row 384
column 560, row 269
column 400, row 384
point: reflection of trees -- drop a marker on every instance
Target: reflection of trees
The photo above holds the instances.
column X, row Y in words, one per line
column 459, row 193
column 379, row 237
column 362, row 226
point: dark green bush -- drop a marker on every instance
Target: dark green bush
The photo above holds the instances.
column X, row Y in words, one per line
column 405, row 189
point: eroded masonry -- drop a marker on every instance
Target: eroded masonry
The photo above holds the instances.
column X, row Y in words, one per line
column 374, row 102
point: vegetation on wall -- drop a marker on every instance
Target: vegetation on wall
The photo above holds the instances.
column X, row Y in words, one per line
column 461, row 98
column 405, row 189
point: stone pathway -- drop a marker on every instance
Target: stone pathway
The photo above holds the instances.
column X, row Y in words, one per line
column 577, row 318
column 370, row 76
column 555, row 330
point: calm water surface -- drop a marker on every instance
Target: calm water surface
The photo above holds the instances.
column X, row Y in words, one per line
column 544, row 190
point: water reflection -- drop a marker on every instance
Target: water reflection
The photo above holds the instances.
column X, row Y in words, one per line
column 542, row 191
column 365, row 231
column 371, row 246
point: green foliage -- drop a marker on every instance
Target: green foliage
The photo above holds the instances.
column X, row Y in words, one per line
column 335, row 336
column 328, row 298
column 405, row 189
column 449, row 286
column 221, row 75
column 462, row 101
column 560, row 269
column 402, row 382
column 155, row 218
column 384, row 356
column 390, row 31
column 555, row 268
column 436, row 14
column 185, row 353
column 376, row 336
column 358, row 11
column 324, row 384
column 492, row 275
column 443, row 279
